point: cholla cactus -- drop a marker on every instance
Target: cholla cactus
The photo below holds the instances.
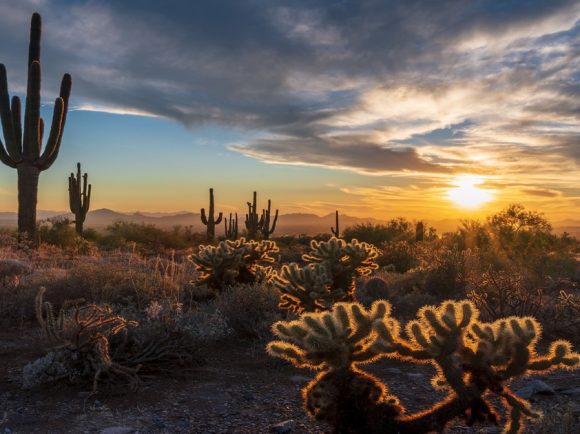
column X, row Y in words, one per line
column 329, row 277
column 81, row 338
column 473, row 360
column 231, row 262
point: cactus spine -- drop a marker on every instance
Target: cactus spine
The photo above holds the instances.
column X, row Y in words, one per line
column 79, row 199
column 266, row 216
column 231, row 227
column 336, row 229
column 253, row 222
column 420, row 232
column 209, row 220
column 23, row 146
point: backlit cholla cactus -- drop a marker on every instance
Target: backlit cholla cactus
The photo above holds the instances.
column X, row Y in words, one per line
column 328, row 278
column 474, row 361
column 232, row 262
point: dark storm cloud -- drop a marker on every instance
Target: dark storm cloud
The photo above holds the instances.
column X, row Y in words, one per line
column 305, row 70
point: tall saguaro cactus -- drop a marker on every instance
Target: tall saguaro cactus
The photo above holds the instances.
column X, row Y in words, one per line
column 231, row 227
column 209, row 220
column 336, row 229
column 266, row 217
column 22, row 149
column 79, row 198
column 253, row 222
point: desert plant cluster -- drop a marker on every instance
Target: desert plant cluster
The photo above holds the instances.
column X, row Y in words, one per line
column 128, row 305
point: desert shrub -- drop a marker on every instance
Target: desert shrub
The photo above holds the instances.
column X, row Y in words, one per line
column 444, row 268
column 398, row 229
column 57, row 231
column 401, row 255
column 249, row 310
column 475, row 361
column 500, row 293
column 406, row 292
column 329, row 276
column 148, row 238
column 12, row 270
column 234, row 262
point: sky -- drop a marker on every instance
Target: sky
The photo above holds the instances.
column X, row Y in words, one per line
column 425, row 109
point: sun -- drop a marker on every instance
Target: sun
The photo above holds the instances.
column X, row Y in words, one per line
column 466, row 192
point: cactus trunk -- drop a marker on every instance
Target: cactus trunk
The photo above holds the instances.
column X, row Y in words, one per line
column 27, row 198
column 336, row 230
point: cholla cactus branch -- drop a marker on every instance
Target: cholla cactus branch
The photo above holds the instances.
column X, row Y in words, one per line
column 474, row 360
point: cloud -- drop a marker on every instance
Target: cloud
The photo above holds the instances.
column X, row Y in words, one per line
column 365, row 86
column 351, row 153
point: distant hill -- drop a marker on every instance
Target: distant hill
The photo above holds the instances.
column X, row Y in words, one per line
column 288, row 224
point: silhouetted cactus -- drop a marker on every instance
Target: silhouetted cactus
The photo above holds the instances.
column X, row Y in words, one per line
column 328, row 278
column 474, row 361
column 336, row 229
column 253, row 221
column 23, row 147
column 79, row 198
column 232, row 262
column 266, row 216
column 209, row 220
column 231, row 227
column 419, row 232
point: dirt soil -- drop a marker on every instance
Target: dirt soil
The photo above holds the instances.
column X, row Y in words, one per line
column 239, row 389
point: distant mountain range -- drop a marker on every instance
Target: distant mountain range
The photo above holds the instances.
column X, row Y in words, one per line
column 293, row 223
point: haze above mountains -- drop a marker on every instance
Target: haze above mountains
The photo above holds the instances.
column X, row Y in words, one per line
column 288, row 224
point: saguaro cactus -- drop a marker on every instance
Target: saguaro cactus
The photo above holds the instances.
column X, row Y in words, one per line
column 266, row 216
column 23, row 149
column 336, row 229
column 231, row 227
column 79, row 199
column 253, row 222
column 209, row 220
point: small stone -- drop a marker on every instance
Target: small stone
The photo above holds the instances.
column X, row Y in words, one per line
column 299, row 379
column 535, row 387
column 282, row 427
column 118, row 430
column 571, row 392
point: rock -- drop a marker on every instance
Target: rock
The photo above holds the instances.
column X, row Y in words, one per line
column 299, row 379
column 282, row 427
column 535, row 387
column 571, row 392
column 118, row 430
